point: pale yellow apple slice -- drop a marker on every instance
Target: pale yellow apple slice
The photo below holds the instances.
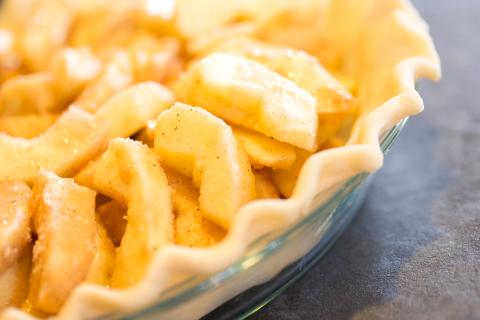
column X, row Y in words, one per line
column 41, row 39
column 15, row 214
column 64, row 220
column 10, row 60
column 115, row 76
column 153, row 58
column 14, row 281
column 264, row 186
column 192, row 229
column 31, row 93
column 74, row 139
column 263, row 151
column 27, row 125
column 130, row 173
column 286, row 179
column 189, row 15
column 248, row 94
column 69, row 71
column 334, row 101
column 114, row 217
column 73, row 69
column 103, row 262
column 128, row 111
column 147, row 134
column 200, row 145
column 300, row 67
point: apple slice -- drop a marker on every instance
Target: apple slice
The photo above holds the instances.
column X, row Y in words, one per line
column 114, row 217
column 15, row 217
column 14, row 281
column 200, row 145
column 31, row 93
column 263, row 151
column 130, row 173
column 72, row 69
column 74, row 139
column 64, row 220
column 264, row 186
column 115, row 76
column 28, row 125
column 103, row 262
column 248, row 94
column 334, row 101
column 286, row 179
column 192, row 229
column 128, row 111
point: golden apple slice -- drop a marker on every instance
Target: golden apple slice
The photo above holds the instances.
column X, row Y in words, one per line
column 10, row 60
column 28, row 125
column 334, row 101
column 15, row 217
column 263, row 151
column 30, row 93
column 102, row 264
column 14, row 281
column 42, row 37
column 73, row 140
column 130, row 173
column 147, row 134
column 189, row 15
column 116, row 76
column 264, row 186
column 68, row 72
column 128, row 111
column 192, row 229
column 202, row 146
column 154, row 59
column 114, row 217
column 73, row 69
column 64, row 220
column 286, row 179
column 248, row 94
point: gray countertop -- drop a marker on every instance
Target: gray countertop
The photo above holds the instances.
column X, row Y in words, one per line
column 413, row 251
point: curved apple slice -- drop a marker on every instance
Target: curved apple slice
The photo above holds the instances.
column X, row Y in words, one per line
column 15, row 217
column 28, row 125
column 192, row 229
column 248, row 94
column 202, row 146
column 147, row 134
column 264, row 185
column 128, row 111
column 102, row 264
column 14, row 281
column 115, row 76
column 74, row 139
column 263, row 151
column 114, row 217
column 73, row 69
column 64, row 220
column 334, row 101
column 286, row 179
column 130, row 173
column 31, row 93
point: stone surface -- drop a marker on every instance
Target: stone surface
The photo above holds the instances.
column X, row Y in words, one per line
column 413, row 251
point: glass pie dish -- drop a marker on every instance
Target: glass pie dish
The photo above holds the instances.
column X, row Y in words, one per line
column 378, row 47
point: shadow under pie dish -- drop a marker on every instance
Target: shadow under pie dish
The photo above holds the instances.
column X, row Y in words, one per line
column 376, row 48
